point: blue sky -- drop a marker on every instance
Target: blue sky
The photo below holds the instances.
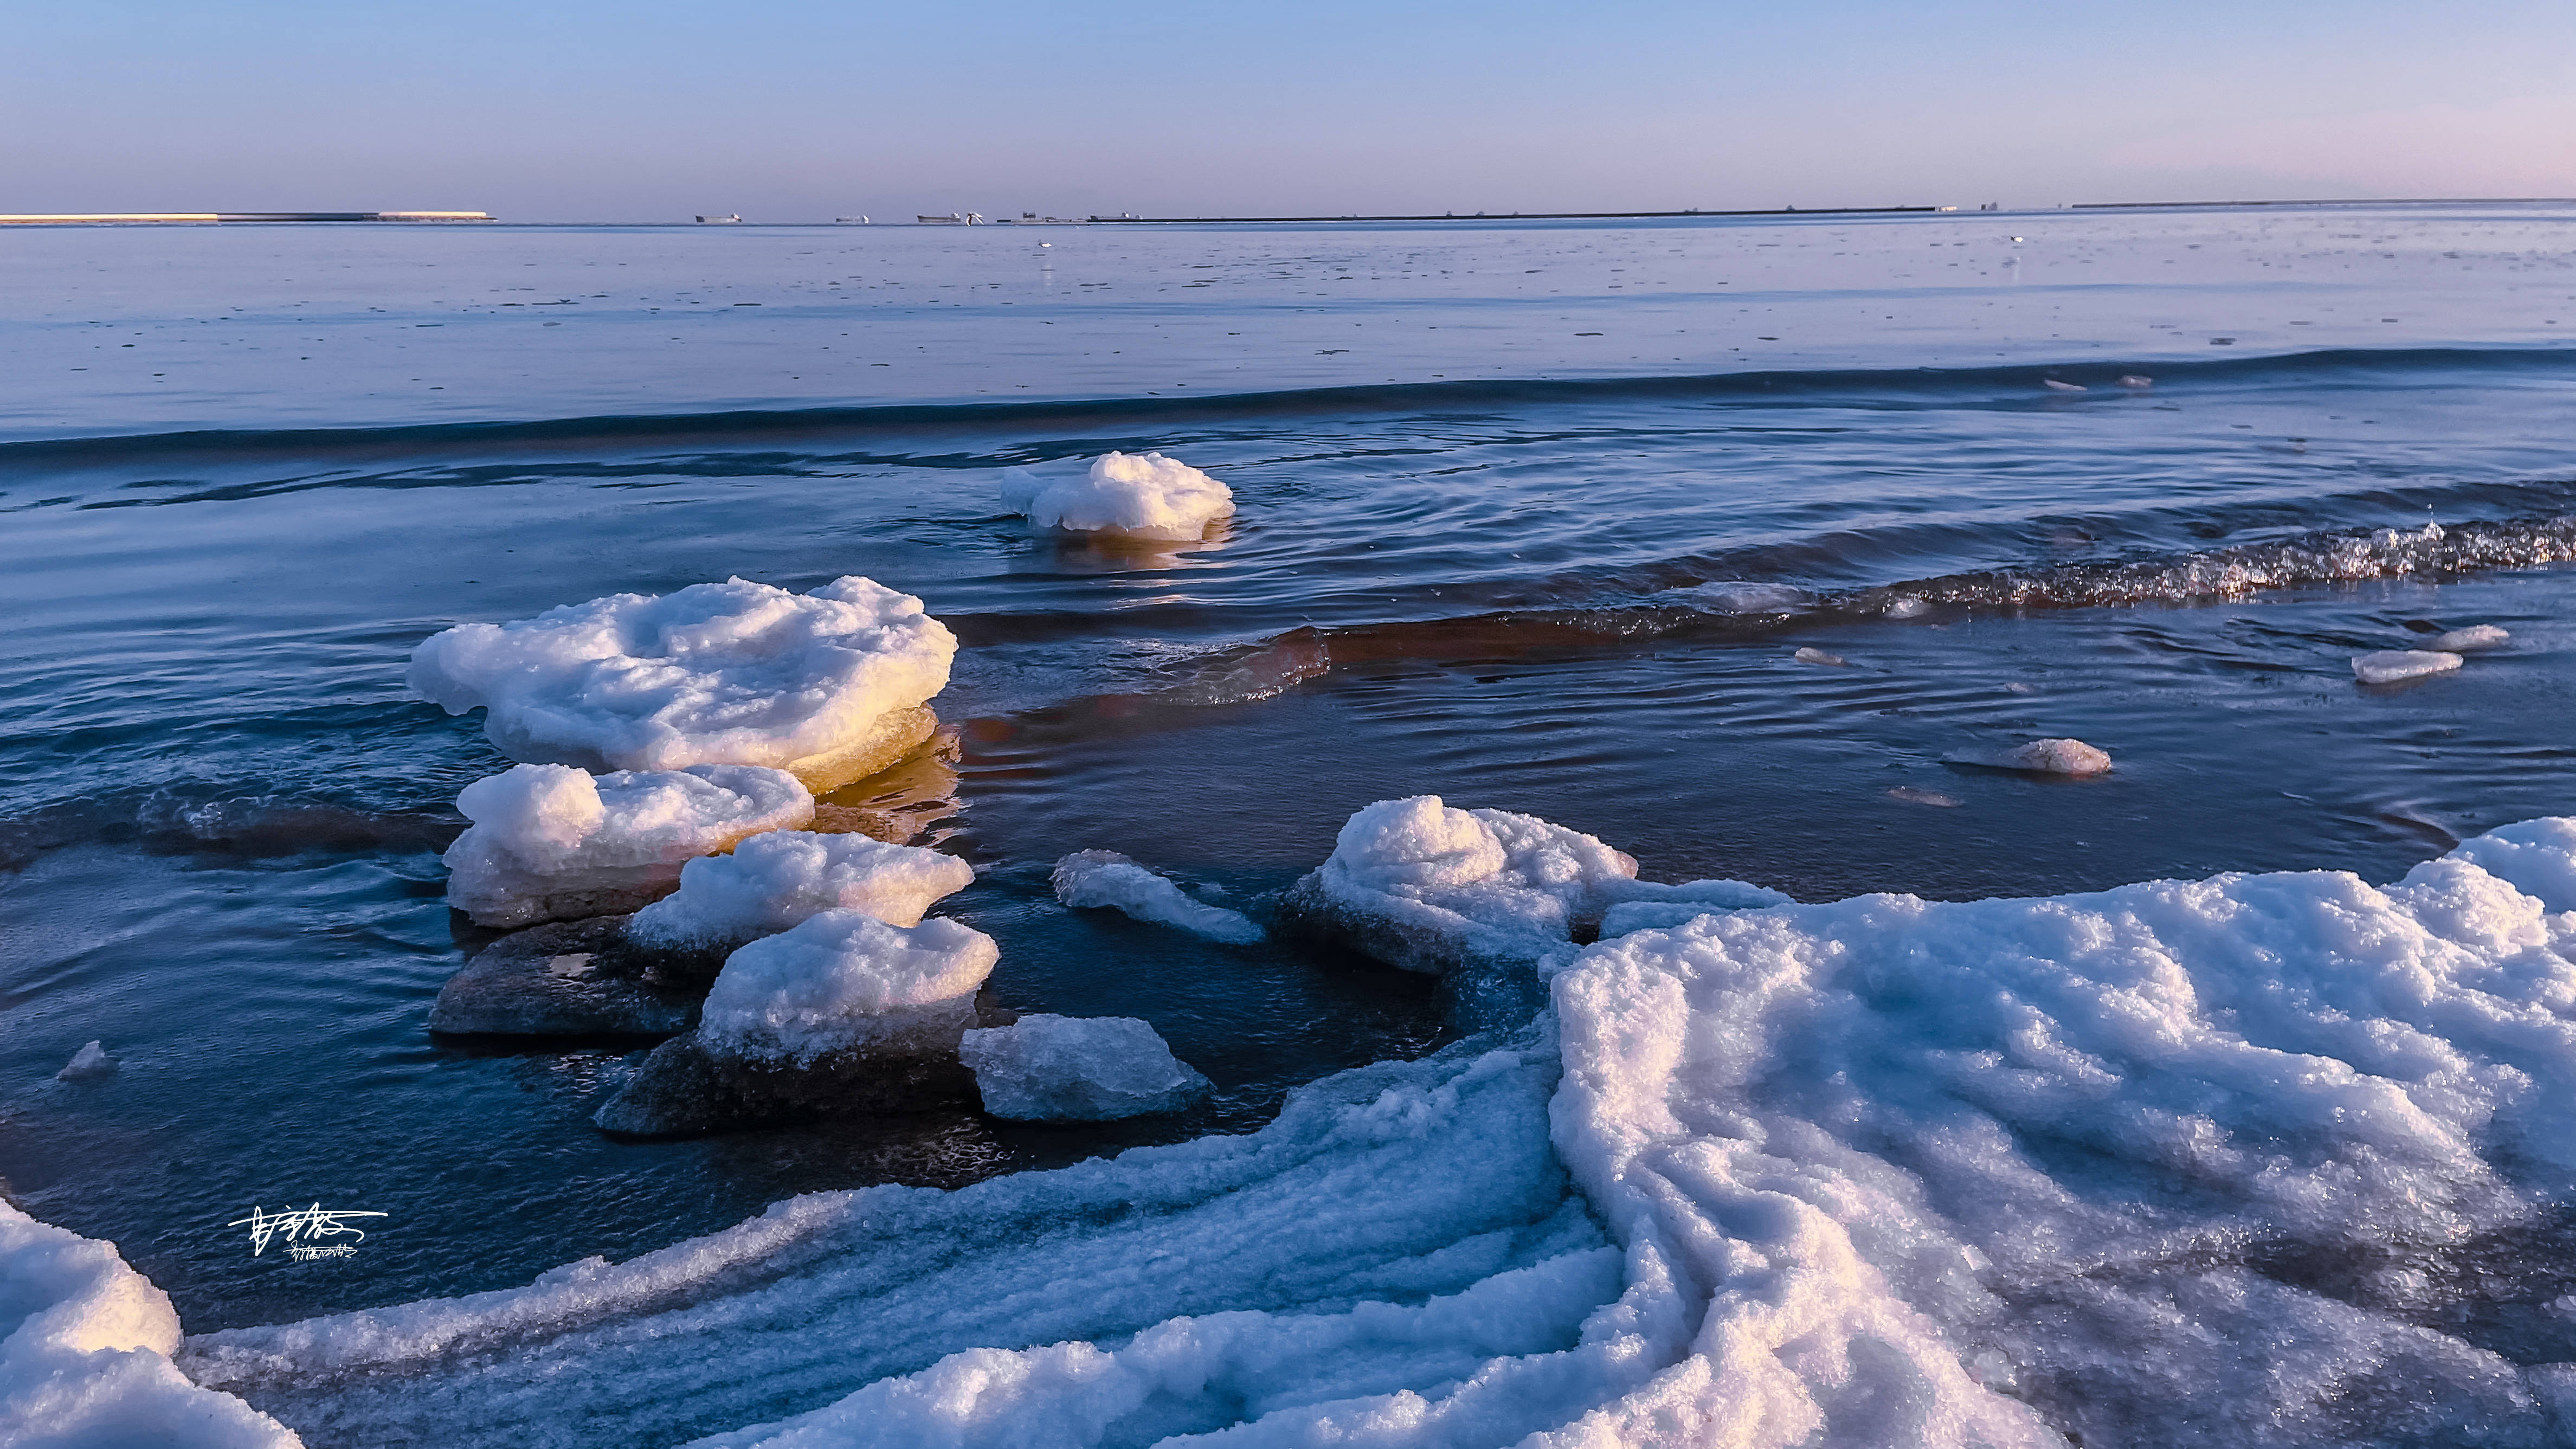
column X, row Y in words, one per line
column 784, row 110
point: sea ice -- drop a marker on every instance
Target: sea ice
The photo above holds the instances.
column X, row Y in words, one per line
column 2391, row 665
column 85, row 1346
column 565, row 978
column 831, row 685
column 1812, row 655
column 1416, row 884
column 552, row 842
column 1090, row 878
column 771, row 882
column 2039, row 757
column 845, row 980
column 1139, row 495
column 2470, row 640
column 88, row 1064
column 1078, row 1069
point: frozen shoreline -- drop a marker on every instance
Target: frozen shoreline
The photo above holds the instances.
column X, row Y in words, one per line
column 1830, row 1145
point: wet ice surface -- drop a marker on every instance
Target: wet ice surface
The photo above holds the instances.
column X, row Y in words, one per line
column 222, row 814
column 146, row 329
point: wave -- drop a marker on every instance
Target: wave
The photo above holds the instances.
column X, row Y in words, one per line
column 2016, row 385
column 247, row 826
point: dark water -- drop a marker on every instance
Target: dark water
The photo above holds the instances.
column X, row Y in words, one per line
column 220, row 814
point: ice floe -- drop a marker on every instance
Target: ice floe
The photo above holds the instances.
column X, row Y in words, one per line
column 1045, row 1068
column 773, row 881
column 85, row 1345
column 553, row 842
column 1416, row 884
column 2470, row 640
column 2038, row 757
column 568, row 979
column 1104, row 878
column 830, row 686
column 1138, row 495
column 2388, row 666
column 1813, row 655
column 88, row 1064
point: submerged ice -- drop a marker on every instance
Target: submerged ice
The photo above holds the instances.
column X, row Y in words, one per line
column 1104, row 878
column 830, row 686
column 1045, row 1068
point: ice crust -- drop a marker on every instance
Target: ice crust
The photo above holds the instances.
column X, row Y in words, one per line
column 829, row 685
column 2391, row 665
column 2250, row 1161
column 772, row 882
column 1139, row 495
column 1045, row 1068
column 1094, row 878
column 552, row 842
column 85, row 1345
column 1417, row 884
column 844, row 980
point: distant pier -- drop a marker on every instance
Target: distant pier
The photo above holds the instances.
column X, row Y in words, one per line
column 132, row 218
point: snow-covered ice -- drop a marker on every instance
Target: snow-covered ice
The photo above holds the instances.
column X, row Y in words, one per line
column 554, row 842
column 1417, row 884
column 1139, row 495
column 2391, row 665
column 1045, row 1068
column 831, row 685
column 85, row 1346
column 2038, row 757
column 1104, row 878
column 845, row 980
column 88, row 1064
column 2471, row 639
column 2256, row 1160
column 771, row 882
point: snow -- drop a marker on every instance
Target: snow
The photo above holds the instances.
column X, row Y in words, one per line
column 2255, row 1160
column 2178, row 1162
column 2039, row 757
column 830, row 686
column 2470, row 639
column 1417, row 884
column 843, row 980
column 2391, row 665
column 552, row 842
column 1139, row 495
column 85, row 1346
column 1078, row 1069
column 88, row 1064
column 771, row 882
column 1091, row 878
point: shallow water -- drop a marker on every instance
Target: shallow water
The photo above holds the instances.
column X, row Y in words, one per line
column 1574, row 592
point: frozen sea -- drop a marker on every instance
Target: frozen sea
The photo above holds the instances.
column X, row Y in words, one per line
column 1537, row 516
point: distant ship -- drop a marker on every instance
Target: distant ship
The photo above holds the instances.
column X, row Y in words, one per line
column 970, row 218
column 729, row 219
column 852, row 221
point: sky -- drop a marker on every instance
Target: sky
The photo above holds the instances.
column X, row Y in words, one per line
column 786, row 110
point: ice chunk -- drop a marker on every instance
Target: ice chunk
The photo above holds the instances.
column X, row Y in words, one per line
column 2470, row 640
column 843, row 979
column 830, row 685
column 85, row 1345
column 1139, row 495
column 552, row 842
column 1895, row 1150
column 1652, row 907
column 1090, row 878
column 1416, row 884
column 1078, row 1069
column 1813, row 655
column 2039, row 757
column 1912, row 795
column 88, row 1064
column 1730, row 596
column 2391, row 665
column 770, row 882
column 2053, row 385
